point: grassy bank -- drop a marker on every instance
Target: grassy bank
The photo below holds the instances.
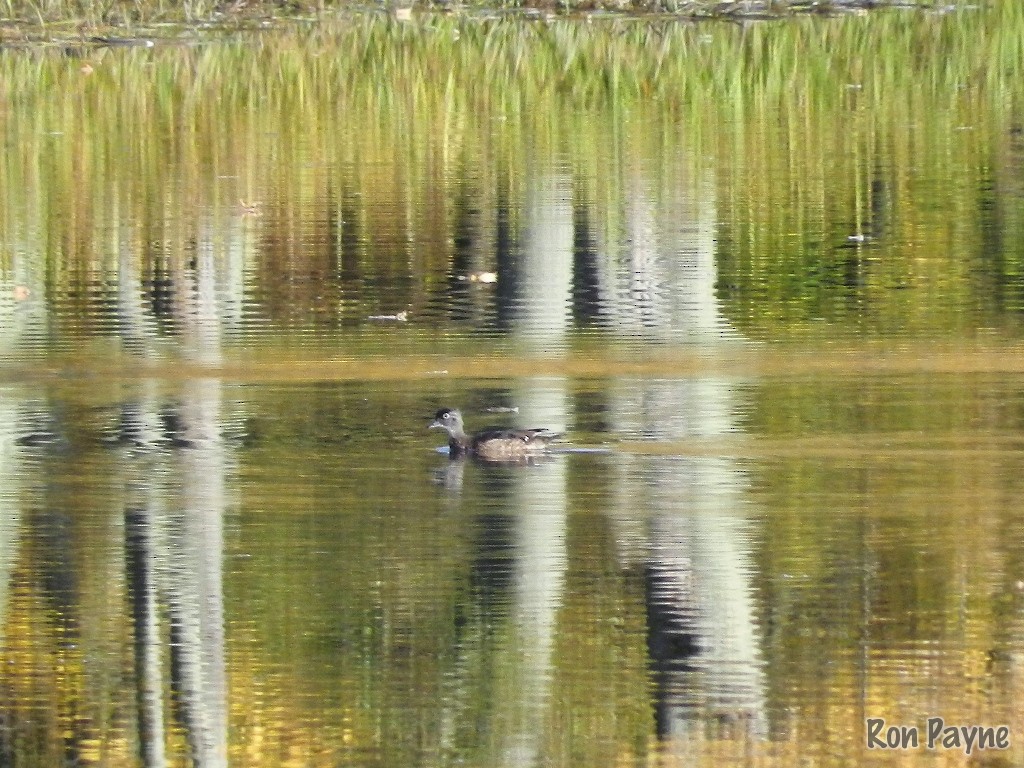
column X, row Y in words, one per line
column 21, row 18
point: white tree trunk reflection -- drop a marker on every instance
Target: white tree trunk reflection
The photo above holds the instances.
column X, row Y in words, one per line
column 540, row 324
column 682, row 516
column 175, row 521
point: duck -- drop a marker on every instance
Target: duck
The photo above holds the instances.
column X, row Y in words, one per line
column 493, row 445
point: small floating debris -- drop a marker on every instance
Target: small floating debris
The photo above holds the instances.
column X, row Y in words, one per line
column 401, row 317
column 21, row 292
column 403, row 14
column 122, row 42
column 480, row 277
column 502, row 409
column 858, row 237
column 40, row 439
column 249, row 209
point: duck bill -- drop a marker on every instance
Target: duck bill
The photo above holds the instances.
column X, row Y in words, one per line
column 435, row 424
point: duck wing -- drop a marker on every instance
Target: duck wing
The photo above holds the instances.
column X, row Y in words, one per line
column 543, row 434
column 538, row 436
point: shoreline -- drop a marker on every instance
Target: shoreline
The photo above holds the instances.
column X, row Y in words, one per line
column 128, row 24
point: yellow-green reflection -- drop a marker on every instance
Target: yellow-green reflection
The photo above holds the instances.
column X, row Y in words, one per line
column 352, row 150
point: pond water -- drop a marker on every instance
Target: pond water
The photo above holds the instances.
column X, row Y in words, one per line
column 767, row 279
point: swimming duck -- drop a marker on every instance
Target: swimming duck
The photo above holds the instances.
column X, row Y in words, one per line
column 491, row 444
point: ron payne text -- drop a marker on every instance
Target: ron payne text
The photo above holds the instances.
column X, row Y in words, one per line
column 937, row 735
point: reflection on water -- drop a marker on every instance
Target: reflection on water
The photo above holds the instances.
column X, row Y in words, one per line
column 682, row 520
column 226, row 534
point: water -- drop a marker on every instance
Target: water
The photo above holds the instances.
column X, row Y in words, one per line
column 772, row 307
